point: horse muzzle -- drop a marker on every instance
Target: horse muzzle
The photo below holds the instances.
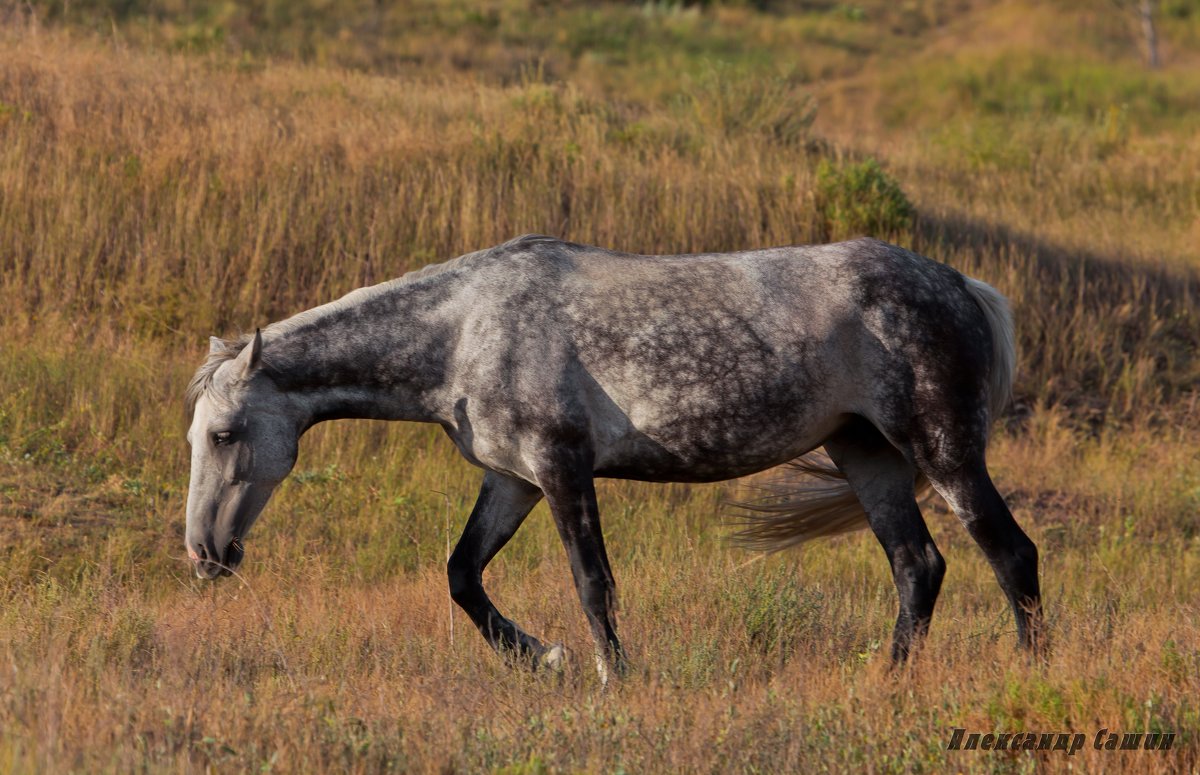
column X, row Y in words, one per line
column 210, row 564
column 217, row 524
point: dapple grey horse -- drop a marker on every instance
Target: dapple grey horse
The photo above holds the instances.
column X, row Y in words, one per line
column 550, row 363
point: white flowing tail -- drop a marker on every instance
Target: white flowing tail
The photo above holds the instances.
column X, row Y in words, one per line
column 1004, row 343
column 825, row 505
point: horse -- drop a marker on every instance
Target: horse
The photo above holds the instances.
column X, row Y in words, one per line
column 549, row 363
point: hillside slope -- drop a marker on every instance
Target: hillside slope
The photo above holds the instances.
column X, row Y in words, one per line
column 173, row 171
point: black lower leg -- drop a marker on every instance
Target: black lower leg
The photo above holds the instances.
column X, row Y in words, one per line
column 502, row 506
column 917, row 568
column 883, row 481
column 597, row 594
column 501, row 633
column 1013, row 557
column 572, row 497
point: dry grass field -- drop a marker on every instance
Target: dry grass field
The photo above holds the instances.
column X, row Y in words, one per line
column 170, row 171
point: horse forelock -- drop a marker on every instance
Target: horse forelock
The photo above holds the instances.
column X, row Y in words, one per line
column 203, row 378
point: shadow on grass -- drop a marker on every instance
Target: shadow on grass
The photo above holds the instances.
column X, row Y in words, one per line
column 1099, row 335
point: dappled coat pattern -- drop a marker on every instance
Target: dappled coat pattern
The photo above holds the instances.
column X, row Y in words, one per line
column 550, row 363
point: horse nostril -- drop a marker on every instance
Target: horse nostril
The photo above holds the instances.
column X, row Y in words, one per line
column 203, row 559
column 235, row 553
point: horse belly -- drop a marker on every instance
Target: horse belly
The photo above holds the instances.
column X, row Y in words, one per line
column 678, row 437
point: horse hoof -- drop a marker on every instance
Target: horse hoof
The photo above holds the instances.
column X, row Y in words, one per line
column 555, row 658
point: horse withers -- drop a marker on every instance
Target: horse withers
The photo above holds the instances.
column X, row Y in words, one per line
column 550, row 363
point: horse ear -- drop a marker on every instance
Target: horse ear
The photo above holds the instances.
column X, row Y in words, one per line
column 216, row 345
column 252, row 355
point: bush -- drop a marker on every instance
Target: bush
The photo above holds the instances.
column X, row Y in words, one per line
column 860, row 199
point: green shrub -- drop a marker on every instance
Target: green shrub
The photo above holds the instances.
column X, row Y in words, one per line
column 860, row 199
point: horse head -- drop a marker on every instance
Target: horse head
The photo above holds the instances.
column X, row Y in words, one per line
column 244, row 433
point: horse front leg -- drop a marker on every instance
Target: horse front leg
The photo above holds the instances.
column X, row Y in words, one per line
column 502, row 506
column 571, row 494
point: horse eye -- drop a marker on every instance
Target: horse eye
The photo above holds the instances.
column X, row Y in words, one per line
column 224, row 437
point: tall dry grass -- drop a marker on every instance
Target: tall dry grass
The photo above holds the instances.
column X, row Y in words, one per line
column 163, row 196
column 149, row 198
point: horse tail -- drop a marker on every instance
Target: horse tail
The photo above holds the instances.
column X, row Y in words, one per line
column 792, row 514
column 826, row 505
column 1004, row 349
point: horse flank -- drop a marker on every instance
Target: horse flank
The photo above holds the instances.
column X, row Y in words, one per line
column 816, row 500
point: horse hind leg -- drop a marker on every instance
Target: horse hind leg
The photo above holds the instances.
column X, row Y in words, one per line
column 949, row 448
column 969, row 491
column 883, row 480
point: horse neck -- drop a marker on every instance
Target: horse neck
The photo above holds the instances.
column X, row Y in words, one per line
column 378, row 353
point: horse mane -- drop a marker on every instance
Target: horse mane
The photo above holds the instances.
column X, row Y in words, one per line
column 204, row 375
column 231, row 348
